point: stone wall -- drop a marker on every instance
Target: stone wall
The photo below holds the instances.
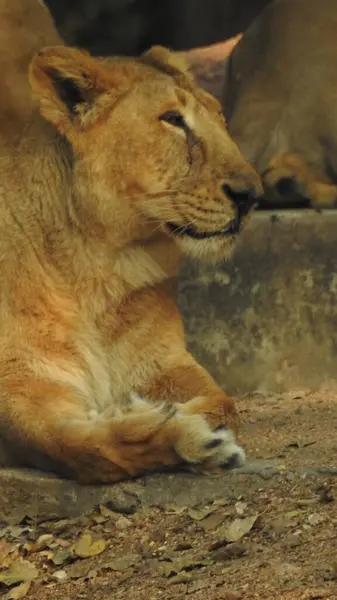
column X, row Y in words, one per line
column 267, row 319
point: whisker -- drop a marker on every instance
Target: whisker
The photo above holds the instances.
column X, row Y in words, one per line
column 166, row 214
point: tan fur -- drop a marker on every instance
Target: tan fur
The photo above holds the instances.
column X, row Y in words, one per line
column 26, row 26
column 280, row 100
column 88, row 326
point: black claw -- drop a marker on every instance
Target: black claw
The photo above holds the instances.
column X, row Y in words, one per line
column 232, row 462
column 213, row 444
column 221, row 428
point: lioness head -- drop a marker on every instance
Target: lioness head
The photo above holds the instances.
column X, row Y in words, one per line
column 145, row 136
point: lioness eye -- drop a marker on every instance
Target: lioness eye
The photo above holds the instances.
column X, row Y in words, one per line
column 174, row 118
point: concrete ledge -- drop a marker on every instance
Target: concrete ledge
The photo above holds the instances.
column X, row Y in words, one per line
column 267, row 320
column 29, row 493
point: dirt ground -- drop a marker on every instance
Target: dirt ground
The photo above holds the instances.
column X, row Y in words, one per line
column 277, row 541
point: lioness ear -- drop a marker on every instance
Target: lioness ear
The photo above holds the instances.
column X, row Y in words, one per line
column 163, row 58
column 69, row 85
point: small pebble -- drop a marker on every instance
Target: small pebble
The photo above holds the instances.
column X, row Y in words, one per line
column 123, row 523
column 59, row 576
column 240, row 508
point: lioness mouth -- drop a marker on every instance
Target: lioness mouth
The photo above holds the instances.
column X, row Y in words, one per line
column 190, row 231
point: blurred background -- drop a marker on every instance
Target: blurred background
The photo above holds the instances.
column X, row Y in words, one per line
column 131, row 26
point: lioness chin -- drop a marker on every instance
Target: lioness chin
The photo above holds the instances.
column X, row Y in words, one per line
column 125, row 164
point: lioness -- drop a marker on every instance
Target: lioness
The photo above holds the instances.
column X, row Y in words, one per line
column 280, row 100
column 127, row 166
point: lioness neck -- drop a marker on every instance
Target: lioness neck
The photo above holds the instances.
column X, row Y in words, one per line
column 84, row 236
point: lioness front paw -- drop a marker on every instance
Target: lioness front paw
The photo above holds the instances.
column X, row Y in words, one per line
column 198, row 443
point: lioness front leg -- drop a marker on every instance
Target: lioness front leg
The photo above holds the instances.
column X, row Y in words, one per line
column 50, row 422
column 194, row 392
column 185, row 381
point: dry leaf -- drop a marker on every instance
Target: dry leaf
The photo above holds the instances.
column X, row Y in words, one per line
column 197, row 585
column 200, row 514
column 62, row 556
column 180, row 578
column 172, row 509
column 231, row 551
column 15, row 531
column 107, row 513
column 85, row 546
column 123, row 563
column 18, row 592
column 62, row 543
column 292, row 514
column 5, row 549
column 98, row 519
column 42, row 542
column 213, row 521
column 92, row 574
column 184, row 563
column 239, row 528
column 221, row 502
column 19, row 572
column 79, row 569
column 64, row 524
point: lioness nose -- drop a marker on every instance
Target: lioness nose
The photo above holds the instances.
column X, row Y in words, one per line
column 243, row 194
